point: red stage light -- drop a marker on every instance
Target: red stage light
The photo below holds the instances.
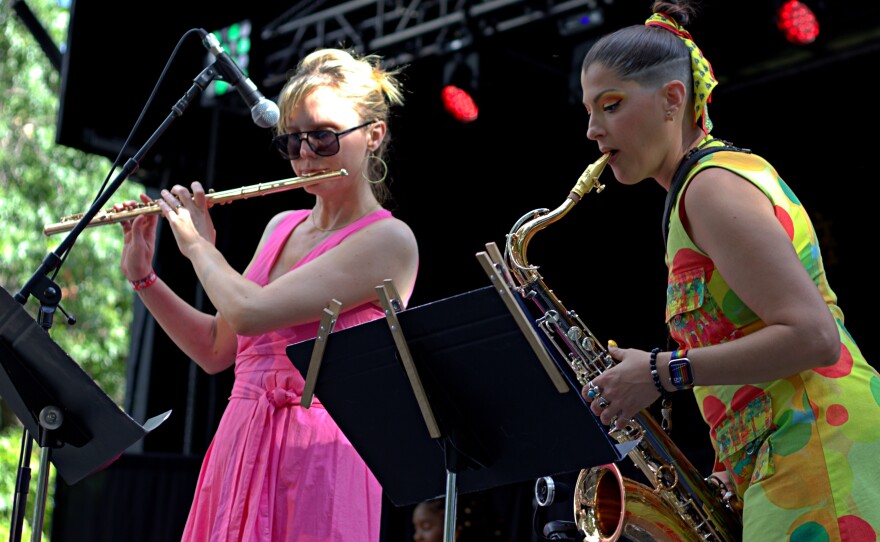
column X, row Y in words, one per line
column 459, row 104
column 797, row 22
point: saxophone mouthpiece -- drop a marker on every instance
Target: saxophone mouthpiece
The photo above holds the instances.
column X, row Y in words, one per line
column 589, row 179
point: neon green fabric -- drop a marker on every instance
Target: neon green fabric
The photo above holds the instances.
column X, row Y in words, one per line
column 802, row 450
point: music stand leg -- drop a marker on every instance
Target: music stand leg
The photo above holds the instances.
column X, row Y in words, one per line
column 42, row 492
column 51, row 418
column 22, row 483
column 450, row 515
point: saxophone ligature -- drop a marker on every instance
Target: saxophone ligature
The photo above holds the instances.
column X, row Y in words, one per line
column 681, row 505
column 112, row 216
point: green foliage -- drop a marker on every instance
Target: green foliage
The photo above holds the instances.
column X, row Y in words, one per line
column 10, row 450
column 40, row 182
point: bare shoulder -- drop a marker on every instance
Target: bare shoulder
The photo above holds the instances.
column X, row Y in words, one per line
column 271, row 225
column 384, row 249
column 726, row 214
column 717, row 195
column 274, row 221
column 716, row 185
column 390, row 230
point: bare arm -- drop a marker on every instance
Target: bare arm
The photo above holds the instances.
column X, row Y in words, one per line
column 349, row 273
column 734, row 223
column 206, row 339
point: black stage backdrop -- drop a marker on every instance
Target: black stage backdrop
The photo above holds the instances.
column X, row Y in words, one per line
column 460, row 186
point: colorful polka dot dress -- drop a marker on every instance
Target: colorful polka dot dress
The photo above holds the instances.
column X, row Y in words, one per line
column 804, row 451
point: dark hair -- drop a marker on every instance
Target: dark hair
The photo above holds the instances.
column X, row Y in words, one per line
column 646, row 54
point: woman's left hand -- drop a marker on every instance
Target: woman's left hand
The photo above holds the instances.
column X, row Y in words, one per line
column 188, row 215
column 625, row 389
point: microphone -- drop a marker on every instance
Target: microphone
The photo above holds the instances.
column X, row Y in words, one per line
column 264, row 113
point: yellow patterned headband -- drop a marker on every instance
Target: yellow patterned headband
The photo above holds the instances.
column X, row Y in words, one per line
column 704, row 79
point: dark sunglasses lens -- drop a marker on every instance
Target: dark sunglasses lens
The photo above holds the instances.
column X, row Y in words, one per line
column 324, row 142
column 288, row 146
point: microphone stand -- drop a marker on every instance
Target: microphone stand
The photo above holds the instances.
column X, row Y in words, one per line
column 49, row 294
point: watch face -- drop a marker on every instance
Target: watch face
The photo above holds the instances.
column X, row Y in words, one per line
column 680, row 373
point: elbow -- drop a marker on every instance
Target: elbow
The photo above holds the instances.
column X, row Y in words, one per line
column 219, row 353
column 246, row 312
column 212, row 369
column 243, row 323
column 248, row 329
column 217, row 360
column 830, row 354
column 215, row 363
column 826, row 346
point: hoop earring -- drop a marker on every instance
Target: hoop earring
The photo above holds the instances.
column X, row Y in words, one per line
column 384, row 165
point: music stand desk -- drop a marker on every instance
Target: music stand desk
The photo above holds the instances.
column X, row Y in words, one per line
column 502, row 420
column 37, row 373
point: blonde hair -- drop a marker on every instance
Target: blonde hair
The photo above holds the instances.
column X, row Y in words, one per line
column 372, row 90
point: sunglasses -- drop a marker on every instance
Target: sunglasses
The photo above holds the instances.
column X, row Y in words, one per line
column 322, row 142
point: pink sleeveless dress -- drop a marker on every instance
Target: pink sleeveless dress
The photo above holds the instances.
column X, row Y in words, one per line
column 276, row 471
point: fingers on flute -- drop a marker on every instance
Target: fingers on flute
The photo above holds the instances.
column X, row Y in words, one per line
column 198, row 194
column 168, row 199
column 125, row 205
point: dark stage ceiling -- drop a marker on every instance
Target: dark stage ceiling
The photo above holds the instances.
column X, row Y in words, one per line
column 461, row 186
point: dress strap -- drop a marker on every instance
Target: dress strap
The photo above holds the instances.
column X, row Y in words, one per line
column 708, row 146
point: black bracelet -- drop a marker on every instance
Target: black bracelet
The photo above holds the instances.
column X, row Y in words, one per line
column 655, row 375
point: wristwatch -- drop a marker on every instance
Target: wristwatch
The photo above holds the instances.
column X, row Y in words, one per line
column 681, row 374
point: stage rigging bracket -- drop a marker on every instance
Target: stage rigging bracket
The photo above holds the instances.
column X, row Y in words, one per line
column 402, row 31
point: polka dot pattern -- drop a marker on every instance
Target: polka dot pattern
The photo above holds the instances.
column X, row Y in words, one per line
column 802, row 450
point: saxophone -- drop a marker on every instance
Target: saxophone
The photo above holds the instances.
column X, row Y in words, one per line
column 681, row 505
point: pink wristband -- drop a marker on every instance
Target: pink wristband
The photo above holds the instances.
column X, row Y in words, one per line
column 145, row 282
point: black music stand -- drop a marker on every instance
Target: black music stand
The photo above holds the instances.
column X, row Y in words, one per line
column 501, row 418
column 78, row 426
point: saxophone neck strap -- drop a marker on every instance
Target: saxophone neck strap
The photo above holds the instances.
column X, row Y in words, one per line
column 681, row 174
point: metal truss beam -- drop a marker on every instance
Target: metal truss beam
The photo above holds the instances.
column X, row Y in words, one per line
column 402, row 31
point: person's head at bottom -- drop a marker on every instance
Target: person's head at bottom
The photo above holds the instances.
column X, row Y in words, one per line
column 428, row 518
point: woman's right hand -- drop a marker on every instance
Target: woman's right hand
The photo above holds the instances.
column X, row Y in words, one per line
column 139, row 237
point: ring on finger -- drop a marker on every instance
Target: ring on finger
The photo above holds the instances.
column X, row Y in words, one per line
column 593, row 391
column 603, row 402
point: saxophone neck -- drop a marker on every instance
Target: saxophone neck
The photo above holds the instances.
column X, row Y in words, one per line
column 518, row 241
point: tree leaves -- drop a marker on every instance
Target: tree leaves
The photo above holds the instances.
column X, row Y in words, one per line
column 41, row 182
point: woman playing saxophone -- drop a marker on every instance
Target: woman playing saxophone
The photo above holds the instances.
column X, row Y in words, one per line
column 790, row 402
